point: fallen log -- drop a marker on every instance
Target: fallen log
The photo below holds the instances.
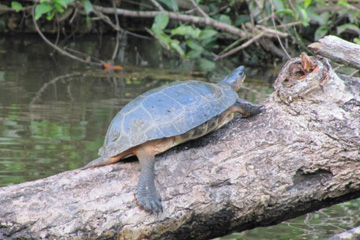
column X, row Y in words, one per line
column 300, row 154
column 338, row 50
column 344, row 52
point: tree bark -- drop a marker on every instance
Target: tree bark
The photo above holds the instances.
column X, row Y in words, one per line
column 338, row 50
column 300, row 154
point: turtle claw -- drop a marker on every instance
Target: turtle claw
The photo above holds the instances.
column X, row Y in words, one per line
column 148, row 199
column 248, row 109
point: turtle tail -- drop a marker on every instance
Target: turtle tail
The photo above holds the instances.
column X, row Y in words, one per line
column 101, row 161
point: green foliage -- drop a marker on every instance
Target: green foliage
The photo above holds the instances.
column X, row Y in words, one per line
column 303, row 20
column 16, row 6
column 160, row 23
column 357, row 40
column 348, row 27
column 44, row 8
column 187, row 41
column 171, row 4
column 87, row 6
column 52, row 7
column 312, row 15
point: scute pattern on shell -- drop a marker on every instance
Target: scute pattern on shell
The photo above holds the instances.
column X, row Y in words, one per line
column 166, row 111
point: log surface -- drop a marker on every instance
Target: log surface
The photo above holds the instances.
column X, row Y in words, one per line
column 300, row 154
column 351, row 234
column 338, row 50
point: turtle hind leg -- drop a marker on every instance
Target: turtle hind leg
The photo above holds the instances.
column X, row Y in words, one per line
column 247, row 109
column 101, row 161
column 146, row 193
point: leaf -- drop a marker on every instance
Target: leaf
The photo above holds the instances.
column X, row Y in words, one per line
column 207, row 33
column 208, row 42
column 193, row 54
column 109, row 67
column 321, row 19
column 279, row 4
column 162, row 38
column 50, row 15
column 41, row 9
column 320, row 32
column 242, row 19
column 213, row 7
column 206, row 65
column 160, row 22
column 87, row 6
column 357, row 41
column 16, row 6
column 304, row 15
column 59, row 8
column 307, row 3
column 225, row 19
column 180, row 30
column 176, row 46
column 62, row 3
column 286, row 11
column 171, row 4
column 353, row 16
column 193, row 45
column 343, row 3
column 186, row 31
column 347, row 27
column 65, row 15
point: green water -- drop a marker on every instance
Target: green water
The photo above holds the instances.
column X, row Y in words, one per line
column 54, row 113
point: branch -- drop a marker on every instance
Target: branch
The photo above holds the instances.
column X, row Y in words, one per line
column 157, row 5
column 242, row 46
column 199, row 9
column 117, row 39
column 61, row 51
column 193, row 19
column 107, row 20
column 277, row 36
column 338, row 50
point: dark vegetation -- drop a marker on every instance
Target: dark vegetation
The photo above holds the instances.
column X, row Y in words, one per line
column 203, row 30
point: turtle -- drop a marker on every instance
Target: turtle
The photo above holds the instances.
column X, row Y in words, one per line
column 166, row 116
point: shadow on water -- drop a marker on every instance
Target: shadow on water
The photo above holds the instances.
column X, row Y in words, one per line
column 54, row 112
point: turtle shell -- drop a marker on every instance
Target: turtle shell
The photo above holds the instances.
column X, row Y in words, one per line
column 166, row 111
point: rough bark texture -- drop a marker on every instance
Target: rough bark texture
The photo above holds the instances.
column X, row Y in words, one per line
column 301, row 153
column 338, row 50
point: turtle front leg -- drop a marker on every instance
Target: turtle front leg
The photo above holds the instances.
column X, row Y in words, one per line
column 146, row 193
column 247, row 109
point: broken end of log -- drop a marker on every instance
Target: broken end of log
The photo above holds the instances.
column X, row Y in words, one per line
column 315, row 47
column 310, row 78
column 338, row 50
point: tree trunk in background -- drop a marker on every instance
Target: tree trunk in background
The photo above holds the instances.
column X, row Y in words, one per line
column 300, row 154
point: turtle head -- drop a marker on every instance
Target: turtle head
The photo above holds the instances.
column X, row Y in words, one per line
column 235, row 79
